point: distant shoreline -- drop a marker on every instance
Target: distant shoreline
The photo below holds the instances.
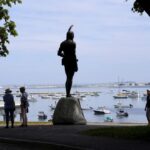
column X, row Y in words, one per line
column 98, row 85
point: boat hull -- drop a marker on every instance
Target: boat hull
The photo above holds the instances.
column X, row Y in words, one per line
column 97, row 112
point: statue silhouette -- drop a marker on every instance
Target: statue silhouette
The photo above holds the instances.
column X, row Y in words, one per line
column 67, row 51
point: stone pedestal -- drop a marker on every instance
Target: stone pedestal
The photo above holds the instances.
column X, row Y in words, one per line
column 68, row 111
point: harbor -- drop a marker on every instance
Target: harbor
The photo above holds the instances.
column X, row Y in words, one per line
column 44, row 101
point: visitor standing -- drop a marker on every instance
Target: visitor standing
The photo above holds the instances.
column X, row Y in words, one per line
column 147, row 107
column 9, row 107
column 24, row 106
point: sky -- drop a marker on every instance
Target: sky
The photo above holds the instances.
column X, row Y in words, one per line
column 112, row 42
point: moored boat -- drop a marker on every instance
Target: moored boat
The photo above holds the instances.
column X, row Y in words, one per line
column 133, row 95
column 120, row 105
column 45, row 96
column 120, row 96
column 101, row 111
column 122, row 113
column 108, row 119
column 31, row 98
column 144, row 97
column 42, row 115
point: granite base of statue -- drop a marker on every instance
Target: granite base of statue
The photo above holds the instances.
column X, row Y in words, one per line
column 68, row 111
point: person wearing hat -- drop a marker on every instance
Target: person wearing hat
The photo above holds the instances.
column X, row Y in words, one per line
column 24, row 106
column 147, row 107
column 67, row 51
column 9, row 107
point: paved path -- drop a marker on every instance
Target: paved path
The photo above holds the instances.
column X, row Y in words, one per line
column 63, row 137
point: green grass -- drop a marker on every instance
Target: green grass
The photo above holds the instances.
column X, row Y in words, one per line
column 2, row 123
column 136, row 132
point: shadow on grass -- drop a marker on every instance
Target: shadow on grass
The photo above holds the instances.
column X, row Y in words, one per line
column 136, row 132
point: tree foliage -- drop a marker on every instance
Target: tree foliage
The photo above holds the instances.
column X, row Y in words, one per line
column 141, row 5
column 7, row 26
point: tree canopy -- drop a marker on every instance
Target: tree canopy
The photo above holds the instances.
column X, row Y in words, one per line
column 141, row 5
column 7, row 26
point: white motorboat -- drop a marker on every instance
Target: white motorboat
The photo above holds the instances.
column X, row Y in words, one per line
column 101, row 111
column 122, row 113
column 31, row 98
column 133, row 95
column 86, row 108
column 120, row 96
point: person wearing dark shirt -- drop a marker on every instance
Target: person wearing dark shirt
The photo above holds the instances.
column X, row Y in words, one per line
column 67, row 51
column 147, row 107
column 24, row 106
column 9, row 107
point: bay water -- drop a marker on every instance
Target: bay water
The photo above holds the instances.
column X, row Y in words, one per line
column 105, row 98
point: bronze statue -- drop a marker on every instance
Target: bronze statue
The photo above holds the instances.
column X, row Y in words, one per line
column 67, row 51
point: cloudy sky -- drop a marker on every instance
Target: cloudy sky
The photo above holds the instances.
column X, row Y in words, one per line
column 112, row 42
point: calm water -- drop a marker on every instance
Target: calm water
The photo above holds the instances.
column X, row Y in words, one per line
column 136, row 114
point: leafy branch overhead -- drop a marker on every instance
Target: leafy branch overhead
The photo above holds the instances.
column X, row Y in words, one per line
column 7, row 26
column 141, row 5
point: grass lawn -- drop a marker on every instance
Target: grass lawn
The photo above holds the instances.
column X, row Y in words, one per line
column 136, row 132
column 2, row 123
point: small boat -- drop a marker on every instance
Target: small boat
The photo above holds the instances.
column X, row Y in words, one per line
column 108, row 119
column 56, row 96
column 18, row 95
column 52, row 107
column 119, row 105
column 42, row 115
column 94, row 94
column 45, row 96
column 86, row 108
column 101, row 111
column 31, row 98
column 133, row 95
column 122, row 113
column 144, row 97
column 120, row 96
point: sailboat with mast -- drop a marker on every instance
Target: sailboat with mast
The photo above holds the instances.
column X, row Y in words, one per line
column 120, row 95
